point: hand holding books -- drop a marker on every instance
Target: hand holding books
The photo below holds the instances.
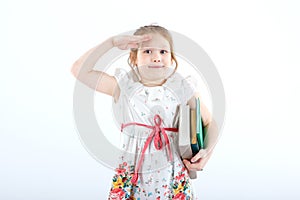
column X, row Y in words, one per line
column 191, row 132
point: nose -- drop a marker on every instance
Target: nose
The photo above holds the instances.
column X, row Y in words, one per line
column 156, row 57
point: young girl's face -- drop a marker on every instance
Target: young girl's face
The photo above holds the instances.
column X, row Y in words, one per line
column 154, row 58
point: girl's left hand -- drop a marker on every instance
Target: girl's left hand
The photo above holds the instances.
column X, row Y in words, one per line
column 198, row 162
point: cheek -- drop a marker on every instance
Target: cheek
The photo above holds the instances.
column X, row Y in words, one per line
column 168, row 59
column 142, row 59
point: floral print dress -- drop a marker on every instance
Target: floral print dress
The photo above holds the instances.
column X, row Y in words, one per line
column 150, row 166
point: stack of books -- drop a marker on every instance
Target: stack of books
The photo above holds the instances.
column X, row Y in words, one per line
column 191, row 132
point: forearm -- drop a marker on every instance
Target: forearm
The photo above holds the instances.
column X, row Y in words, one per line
column 84, row 65
column 212, row 135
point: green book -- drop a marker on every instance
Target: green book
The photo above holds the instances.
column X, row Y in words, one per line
column 199, row 125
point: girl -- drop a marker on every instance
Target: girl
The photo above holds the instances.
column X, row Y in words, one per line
column 146, row 99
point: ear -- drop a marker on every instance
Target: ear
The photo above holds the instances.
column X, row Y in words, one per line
column 172, row 61
column 135, row 62
column 133, row 58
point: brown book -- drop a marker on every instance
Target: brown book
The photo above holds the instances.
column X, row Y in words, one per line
column 193, row 128
column 183, row 122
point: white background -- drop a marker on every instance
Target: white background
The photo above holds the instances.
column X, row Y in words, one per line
column 254, row 45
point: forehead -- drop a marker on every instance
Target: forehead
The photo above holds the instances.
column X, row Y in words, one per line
column 157, row 41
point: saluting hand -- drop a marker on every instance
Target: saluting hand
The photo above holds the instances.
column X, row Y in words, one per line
column 125, row 42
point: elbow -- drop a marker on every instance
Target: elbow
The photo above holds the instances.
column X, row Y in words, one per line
column 72, row 71
column 75, row 69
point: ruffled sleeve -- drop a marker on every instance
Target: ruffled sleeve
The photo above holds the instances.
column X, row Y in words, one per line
column 183, row 87
column 189, row 85
column 122, row 77
column 122, row 108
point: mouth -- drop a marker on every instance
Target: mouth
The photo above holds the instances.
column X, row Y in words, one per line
column 155, row 66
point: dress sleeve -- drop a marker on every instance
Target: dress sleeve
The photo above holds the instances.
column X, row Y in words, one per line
column 122, row 77
column 189, row 85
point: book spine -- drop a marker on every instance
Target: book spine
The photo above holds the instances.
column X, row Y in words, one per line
column 194, row 142
column 184, row 132
column 199, row 125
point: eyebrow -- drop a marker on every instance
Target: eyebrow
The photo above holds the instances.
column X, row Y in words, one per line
column 162, row 48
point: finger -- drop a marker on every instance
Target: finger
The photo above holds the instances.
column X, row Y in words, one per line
column 201, row 154
column 203, row 162
column 198, row 166
column 147, row 37
column 140, row 38
column 187, row 164
column 133, row 45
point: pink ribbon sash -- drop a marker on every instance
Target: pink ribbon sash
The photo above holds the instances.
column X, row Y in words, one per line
column 158, row 143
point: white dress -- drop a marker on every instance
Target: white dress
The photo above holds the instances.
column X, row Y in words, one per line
column 155, row 171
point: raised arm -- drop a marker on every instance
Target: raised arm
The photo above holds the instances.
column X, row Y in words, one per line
column 83, row 70
column 100, row 81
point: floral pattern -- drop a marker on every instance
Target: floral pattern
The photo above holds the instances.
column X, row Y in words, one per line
column 123, row 189
column 140, row 104
column 153, row 185
column 181, row 186
column 121, row 183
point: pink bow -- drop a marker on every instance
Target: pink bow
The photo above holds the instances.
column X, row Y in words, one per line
column 158, row 143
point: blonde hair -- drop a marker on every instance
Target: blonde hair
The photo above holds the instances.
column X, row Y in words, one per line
column 153, row 29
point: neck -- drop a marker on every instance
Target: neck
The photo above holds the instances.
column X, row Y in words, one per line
column 153, row 83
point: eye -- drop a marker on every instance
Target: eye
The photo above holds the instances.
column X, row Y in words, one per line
column 147, row 51
column 163, row 51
